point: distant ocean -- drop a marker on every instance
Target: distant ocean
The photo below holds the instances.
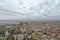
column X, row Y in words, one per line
column 3, row 23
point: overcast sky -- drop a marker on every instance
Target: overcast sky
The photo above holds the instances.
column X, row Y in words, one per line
column 29, row 9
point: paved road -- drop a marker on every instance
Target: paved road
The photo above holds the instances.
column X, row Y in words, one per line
column 11, row 33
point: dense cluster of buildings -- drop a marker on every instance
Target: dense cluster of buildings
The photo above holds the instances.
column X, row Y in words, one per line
column 32, row 31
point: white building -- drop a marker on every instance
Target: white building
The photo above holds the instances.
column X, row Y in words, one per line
column 20, row 37
column 7, row 33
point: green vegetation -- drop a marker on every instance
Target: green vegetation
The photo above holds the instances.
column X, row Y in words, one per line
column 17, row 32
column 24, row 38
column 0, row 39
column 11, row 38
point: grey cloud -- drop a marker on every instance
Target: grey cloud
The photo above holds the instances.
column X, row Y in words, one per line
column 31, row 9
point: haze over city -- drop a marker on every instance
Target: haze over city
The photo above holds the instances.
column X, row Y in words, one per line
column 29, row 19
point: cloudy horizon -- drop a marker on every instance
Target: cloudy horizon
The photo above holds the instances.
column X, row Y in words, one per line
column 30, row 10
